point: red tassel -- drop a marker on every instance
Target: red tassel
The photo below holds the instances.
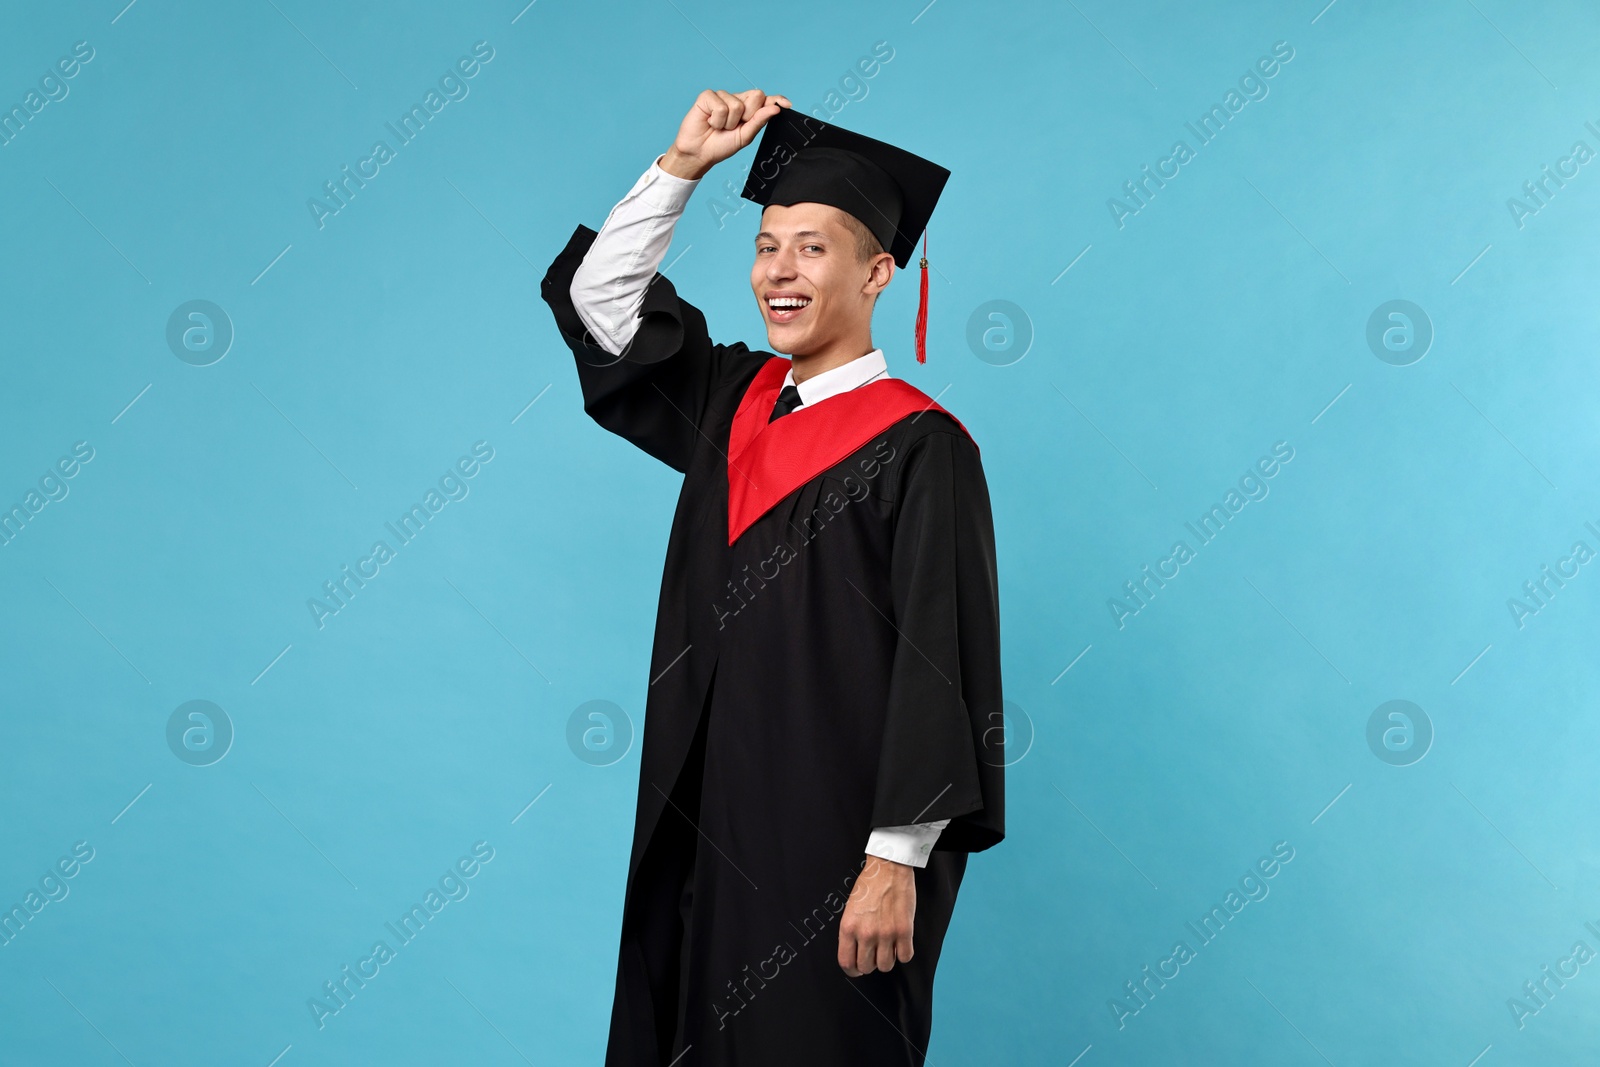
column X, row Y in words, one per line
column 922, row 306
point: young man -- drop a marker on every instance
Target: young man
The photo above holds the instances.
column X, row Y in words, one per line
column 822, row 732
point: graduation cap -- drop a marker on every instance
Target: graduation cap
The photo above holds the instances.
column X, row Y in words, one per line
column 890, row 191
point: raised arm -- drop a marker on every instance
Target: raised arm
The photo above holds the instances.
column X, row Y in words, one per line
column 609, row 286
column 645, row 361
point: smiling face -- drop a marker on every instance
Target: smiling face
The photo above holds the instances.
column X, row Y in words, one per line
column 815, row 289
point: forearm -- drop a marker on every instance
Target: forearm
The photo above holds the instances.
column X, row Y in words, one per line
column 609, row 286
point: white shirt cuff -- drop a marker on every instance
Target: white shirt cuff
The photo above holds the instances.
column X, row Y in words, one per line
column 667, row 193
column 905, row 844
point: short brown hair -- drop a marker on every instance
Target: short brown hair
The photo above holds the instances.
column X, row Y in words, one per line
column 867, row 244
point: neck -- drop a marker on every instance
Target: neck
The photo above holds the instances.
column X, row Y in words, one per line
column 835, row 354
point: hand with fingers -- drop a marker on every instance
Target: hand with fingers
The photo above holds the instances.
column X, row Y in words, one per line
column 716, row 127
column 875, row 929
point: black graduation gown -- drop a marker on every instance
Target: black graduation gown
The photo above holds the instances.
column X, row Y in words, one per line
column 835, row 669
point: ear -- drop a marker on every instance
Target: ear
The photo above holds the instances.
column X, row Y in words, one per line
column 880, row 271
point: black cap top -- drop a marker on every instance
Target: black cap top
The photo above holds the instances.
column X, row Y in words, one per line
column 805, row 160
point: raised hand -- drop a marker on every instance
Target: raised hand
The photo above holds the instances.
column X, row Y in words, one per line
column 716, row 127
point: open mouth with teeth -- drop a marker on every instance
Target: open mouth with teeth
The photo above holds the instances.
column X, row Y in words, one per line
column 786, row 308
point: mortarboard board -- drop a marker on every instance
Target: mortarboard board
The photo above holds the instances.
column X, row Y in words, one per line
column 804, row 160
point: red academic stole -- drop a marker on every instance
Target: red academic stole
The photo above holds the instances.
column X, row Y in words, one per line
column 769, row 460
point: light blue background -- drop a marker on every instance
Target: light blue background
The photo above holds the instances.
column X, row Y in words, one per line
column 1228, row 314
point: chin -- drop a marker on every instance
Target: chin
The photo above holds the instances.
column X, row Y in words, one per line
column 786, row 344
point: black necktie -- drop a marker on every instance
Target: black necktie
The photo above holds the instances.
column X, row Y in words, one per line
column 788, row 400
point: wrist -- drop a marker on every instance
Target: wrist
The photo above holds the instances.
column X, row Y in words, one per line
column 679, row 165
column 876, row 864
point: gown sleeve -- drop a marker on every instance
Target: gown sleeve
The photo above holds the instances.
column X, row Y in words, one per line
column 655, row 394
column 942, row 755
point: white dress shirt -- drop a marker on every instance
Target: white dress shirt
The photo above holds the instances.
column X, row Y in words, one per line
column 608, row 290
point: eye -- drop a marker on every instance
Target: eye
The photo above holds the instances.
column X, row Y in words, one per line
column 818, row 248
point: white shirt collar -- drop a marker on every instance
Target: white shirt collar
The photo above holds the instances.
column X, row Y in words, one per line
column 841, row 379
